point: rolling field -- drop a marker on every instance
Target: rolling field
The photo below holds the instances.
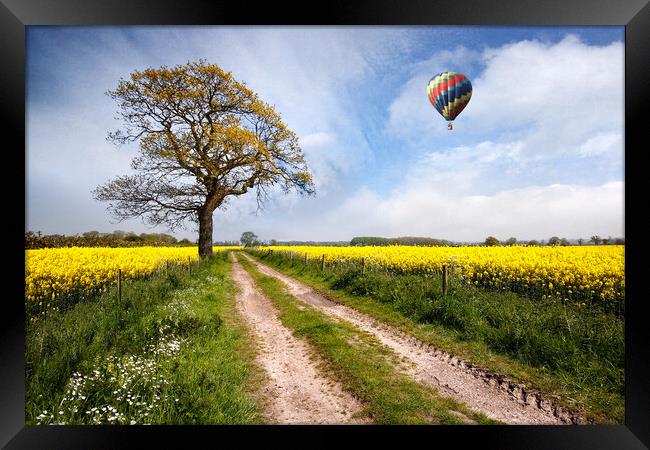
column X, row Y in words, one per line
column 583, row 274
column 174, row 351
column 549, row 317
column 571, row 345
column 54, row 273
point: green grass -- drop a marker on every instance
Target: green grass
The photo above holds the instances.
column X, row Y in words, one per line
column 173, row 352
column 573, row 354
column 363, row 365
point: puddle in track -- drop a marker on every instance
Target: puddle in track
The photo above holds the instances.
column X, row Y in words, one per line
column 296, row 391
column 429, row 366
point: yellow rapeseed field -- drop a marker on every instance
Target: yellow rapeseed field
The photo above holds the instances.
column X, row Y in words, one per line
column 577, row 273
column 52, row 272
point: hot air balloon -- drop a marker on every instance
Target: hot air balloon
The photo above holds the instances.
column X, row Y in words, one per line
column 449, row 93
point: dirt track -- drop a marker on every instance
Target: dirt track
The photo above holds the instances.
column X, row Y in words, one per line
column 296, row 392
column 498, row 400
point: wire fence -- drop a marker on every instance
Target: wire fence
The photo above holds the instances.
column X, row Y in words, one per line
column 449, row 274
column 114, row 288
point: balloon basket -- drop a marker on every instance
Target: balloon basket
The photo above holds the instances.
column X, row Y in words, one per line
column 449, row 126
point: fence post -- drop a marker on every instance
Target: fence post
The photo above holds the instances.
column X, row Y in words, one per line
column 305, row 258
column 363, row 264
column 189, row 264
column 119, row 286
column 444, row 279
column 167, row 266
column 322, row 263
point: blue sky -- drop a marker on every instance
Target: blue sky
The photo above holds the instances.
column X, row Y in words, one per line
column 537, row 152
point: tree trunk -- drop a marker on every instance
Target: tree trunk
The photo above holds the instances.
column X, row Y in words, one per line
column 205, row 234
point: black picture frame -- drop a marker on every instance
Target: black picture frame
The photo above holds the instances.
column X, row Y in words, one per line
column 15, row 15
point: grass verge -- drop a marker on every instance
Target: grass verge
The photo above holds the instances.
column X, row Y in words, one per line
column 173, row 352
column 363, row 365
column 571, row 354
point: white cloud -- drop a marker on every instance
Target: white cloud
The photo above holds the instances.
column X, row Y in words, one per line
column 529, row 81
column 326, row 157
column 602, row 143
column 535, row 212
column 319, row 139
column 463, row 169
column 451, row 194
column 552, row 96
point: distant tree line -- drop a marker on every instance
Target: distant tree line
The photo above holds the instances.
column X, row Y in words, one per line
column 118, row 238
column 405, row 240
column 225, row 243
column 555, row 241
column 489, row 241
column 273, row 242
column 250, row 239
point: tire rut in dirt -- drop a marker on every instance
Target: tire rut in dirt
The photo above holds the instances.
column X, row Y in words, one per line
column 296, row 391
column 493, row 396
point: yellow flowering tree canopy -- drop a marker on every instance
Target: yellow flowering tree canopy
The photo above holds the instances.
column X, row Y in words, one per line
column 204, row 136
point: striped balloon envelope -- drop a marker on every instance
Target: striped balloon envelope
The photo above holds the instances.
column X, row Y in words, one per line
column 449, row 93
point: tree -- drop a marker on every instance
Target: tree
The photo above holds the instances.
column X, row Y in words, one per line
column 132, row 237
column 607, row 240
column 533, row 243
column 564, row 242
column 248, row 239
column 273, row 242
column 511, row 241
column 595, row 239
column 369, row 240
column 581, row 241
column 554, row 241
column 204, row 137
column 491, row 241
